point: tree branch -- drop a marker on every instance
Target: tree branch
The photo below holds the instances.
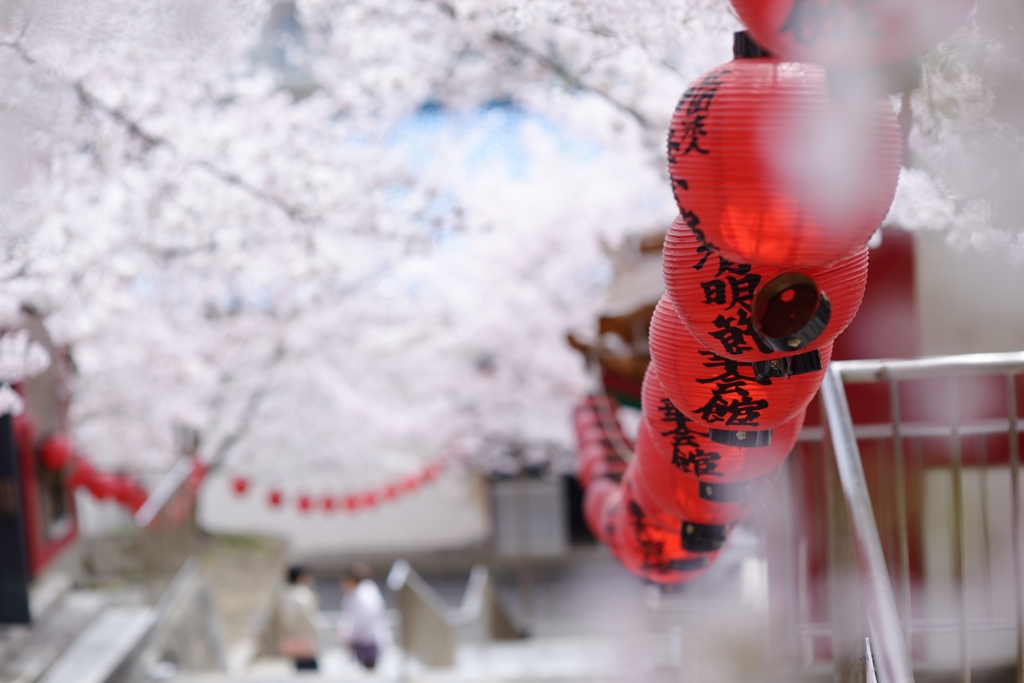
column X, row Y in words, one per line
column 151, row 140
column 249, row 412
column 563, row 72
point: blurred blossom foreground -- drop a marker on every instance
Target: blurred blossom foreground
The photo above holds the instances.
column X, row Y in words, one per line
column 321, row 283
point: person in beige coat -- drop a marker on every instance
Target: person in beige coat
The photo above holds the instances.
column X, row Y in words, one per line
column 298, row 621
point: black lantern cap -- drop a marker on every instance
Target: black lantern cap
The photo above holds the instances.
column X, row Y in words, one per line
column 787, row 366
column 716, row 492
column 741, row 439
column 744, row 47
column 703, row 538
column 790, row 311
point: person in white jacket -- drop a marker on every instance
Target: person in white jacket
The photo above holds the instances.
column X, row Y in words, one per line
column 363, row 626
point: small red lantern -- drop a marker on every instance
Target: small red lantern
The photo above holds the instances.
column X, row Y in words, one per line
column 55, row 452
column 352, row 503
column 102, row 485
column 607, row 465
column 274, row 497
column 240, row 485
column 652, row 544
column 120, row 488
column 758, row 313
column 847, row 34
column 409, row 484
column 127, row 491
column 739, row 402
column 597, row 494
column 305, row 503
column 82, row 474
column 766, row 169
column 328, row 503
column 198, row 473
column 683, row 447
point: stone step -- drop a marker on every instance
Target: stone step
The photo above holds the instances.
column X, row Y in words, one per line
column 35, row 649
column 44, row 595
column 103, row 646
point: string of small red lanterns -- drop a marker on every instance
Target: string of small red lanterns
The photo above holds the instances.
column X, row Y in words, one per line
column 58, row 455
column 277, row 498
column 765, row 266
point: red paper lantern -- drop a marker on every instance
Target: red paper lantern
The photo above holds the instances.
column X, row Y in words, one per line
column 652, row 544
column 754, row 312
column 55, row 452
column 368, row 499
column 127, row 492
column 724, row 394
column 607, row 466
column 240, row 485
column 135, row 497
column 596, row 495
column 305, row 503
column 274, row 497
column 683, row 447
column 82, row 474
column 851, row 33
column 102, row 485
column 328, row 503
column 120, row 488
column 705, row 499
column 198, row 473
column 766, row 169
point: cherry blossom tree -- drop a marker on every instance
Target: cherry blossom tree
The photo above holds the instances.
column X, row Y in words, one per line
column 340, row 236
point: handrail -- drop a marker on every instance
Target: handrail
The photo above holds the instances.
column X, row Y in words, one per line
column 892, row 659
column 867, row 371
column 164, row 492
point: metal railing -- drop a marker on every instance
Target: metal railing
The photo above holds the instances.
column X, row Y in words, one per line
column 895, row 643
column 429, row 626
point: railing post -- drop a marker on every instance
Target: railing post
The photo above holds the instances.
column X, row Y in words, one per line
column 1015, row 523
column 845, row 606
column 891, row 657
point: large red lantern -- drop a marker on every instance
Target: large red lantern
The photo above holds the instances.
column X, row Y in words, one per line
column 728, row 396
column 759, row 313
column 851, row 33
column 766, row 169
column 706, row 499
column 683, row 447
